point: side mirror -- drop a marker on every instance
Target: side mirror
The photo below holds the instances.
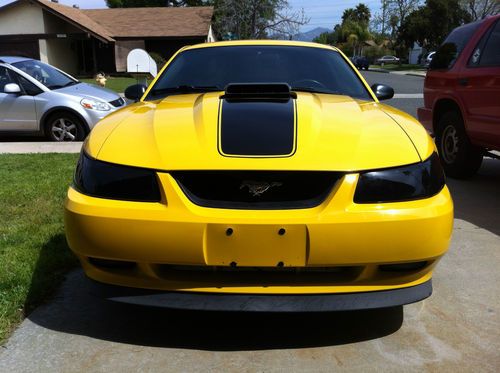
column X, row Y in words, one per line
column 12, row 88
column 135, row 92
column 382, row 91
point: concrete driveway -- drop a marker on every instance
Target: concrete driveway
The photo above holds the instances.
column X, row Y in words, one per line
column 40, row 147
column 457, row 329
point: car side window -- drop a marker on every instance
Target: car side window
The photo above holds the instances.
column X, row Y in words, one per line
column 453, row 45
column 30, row 88
column 487, row 51
column 5, row 78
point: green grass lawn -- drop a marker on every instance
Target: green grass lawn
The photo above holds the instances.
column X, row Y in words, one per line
column 33, row 252
column 117, row 84
column 402, row 67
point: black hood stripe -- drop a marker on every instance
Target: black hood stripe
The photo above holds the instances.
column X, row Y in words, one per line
column 257, row 128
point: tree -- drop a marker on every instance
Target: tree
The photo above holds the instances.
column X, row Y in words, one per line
column 352, row 32
column 155, row 3
column 354, row 28
column 393, row 12
column 401, row 9
column 384, row 16
column 256, row 19
column 430, row 24
column 360, row 14
column 479, row 9
column 326, row 38
column 393, row 25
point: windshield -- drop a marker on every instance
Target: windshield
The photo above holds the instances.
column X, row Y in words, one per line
column 303, row 68
column 45, row 74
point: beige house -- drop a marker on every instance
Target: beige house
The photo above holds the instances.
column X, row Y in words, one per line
column 84, row 41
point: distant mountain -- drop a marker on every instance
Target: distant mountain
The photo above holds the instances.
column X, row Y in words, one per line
column 310, row 35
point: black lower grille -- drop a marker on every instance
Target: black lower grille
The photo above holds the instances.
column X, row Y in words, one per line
column 258, row 276
column 257, row 189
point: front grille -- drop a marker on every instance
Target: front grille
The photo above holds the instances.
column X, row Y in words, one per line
column 256, row 189
column 118, row 102
column 258, row 276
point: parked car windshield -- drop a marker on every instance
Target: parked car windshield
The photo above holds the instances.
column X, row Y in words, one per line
column 45, row 74
column 453, row 45
column 303, row 68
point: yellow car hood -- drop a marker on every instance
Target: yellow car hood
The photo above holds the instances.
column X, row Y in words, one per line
column 333, row 132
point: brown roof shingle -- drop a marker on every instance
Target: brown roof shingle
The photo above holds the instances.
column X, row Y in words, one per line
column 107, row 24
column 153, row 22
column 76, row 16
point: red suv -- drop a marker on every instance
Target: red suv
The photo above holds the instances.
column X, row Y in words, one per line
column 462, row 96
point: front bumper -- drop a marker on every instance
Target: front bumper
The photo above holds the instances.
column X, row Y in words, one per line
column 92, row 117
column 264, row 303
column 167, row 242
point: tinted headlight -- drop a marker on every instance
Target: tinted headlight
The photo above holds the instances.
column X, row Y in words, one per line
column 106, row 180
column 416, row 181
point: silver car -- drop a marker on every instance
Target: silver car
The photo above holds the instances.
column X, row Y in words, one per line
column 387, row 59
column 41, row 99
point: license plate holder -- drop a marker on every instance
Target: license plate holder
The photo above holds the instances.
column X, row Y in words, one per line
column 255, row 245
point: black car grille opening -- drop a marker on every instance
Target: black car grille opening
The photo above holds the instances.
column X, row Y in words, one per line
column 257, row 189
column 118, row 102
column 258, row 276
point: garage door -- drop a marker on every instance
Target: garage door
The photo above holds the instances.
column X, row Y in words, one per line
column 28, row 49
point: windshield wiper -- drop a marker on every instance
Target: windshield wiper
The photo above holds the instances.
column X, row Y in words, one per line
column 58, row 86
column 71, row 83
column 314, row 90
column 185, row 89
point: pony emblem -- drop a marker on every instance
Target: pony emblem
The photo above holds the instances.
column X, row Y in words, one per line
column 257, row 188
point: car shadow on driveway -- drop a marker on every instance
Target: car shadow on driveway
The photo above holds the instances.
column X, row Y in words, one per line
column 75, row 310
column 477, row 200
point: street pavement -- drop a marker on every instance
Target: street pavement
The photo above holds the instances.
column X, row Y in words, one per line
column 456, row 329
column 408, row 90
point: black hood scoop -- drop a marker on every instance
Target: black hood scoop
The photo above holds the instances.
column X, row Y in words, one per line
column 257, row 120
column 258, row 91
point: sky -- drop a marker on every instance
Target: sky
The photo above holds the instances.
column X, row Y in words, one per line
column 327, row 13
column 322, row 13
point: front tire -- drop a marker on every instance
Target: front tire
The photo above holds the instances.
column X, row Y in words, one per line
column 63, row 126
column 459, row 157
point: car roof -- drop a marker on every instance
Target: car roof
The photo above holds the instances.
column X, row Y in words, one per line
column 291, row 43
column 13, row 59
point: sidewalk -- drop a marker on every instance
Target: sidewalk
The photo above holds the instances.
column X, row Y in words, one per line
column 410, row 72
column 420, row 73
column 39, row 147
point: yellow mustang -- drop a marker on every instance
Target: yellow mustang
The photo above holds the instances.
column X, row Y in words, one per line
column 260, row 176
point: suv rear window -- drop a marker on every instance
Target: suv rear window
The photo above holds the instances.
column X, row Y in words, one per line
column 487, row 51
column 451, row 48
